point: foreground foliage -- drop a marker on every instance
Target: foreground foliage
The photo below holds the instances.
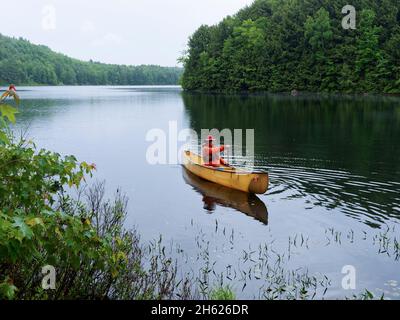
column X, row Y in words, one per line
column 281, row 45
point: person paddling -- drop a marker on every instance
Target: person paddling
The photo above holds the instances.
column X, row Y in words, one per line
column 211, row 153
column 12, row 87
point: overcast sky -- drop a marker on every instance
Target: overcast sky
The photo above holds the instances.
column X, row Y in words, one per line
column 114, row 31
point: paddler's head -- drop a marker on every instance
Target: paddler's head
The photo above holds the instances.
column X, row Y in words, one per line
column 209, row 140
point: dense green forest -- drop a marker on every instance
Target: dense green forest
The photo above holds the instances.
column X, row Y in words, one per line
column 281, row 45
column 22, row 62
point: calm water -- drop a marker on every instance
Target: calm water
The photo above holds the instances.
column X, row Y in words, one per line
column 334, row 166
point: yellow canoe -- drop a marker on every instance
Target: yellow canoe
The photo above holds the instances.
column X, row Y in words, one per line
column 231, row 177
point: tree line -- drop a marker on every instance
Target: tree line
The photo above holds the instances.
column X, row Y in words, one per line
column 22, row 62
column 282, row 45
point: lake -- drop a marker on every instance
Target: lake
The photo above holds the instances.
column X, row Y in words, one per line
column 334, row 165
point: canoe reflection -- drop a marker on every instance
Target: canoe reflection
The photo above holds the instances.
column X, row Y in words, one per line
column 215, row 194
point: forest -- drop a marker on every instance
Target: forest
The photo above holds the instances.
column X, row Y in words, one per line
column 24, row 63
column 285, row 45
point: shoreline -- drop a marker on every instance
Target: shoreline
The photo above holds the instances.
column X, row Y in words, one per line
column 299, row 94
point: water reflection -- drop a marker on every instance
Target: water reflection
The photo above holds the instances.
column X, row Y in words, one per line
column 336, row 152
column 214, row 194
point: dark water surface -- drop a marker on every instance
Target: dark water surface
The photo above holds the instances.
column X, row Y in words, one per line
column 334, row 166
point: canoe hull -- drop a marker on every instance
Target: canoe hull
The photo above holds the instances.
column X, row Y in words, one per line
column 251, row 182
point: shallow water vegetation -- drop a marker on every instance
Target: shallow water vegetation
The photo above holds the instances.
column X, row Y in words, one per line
column 269, row 271
column 261, row 272
column 386, row 240
column 366, row 295
column 222, row 293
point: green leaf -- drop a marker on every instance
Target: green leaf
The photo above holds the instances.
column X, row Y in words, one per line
column 34, row 221
column 369, row 294
column 4, row 138
column 7, row 290
column 8, row 112
column 23, row 227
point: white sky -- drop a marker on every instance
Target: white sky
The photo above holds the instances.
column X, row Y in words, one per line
column 114, row 31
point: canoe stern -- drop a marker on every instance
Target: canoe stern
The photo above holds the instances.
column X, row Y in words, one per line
column 259, row 183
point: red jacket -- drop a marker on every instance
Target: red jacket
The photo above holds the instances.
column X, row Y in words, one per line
column 211, row 155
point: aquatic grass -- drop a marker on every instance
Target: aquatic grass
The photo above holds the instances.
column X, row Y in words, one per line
column 366, row 295
column 263, row 267
column 222, row 293
column 385, row 241
column 268, row 269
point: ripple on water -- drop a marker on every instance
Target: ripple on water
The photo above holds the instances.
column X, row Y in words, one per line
column 363, row 198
